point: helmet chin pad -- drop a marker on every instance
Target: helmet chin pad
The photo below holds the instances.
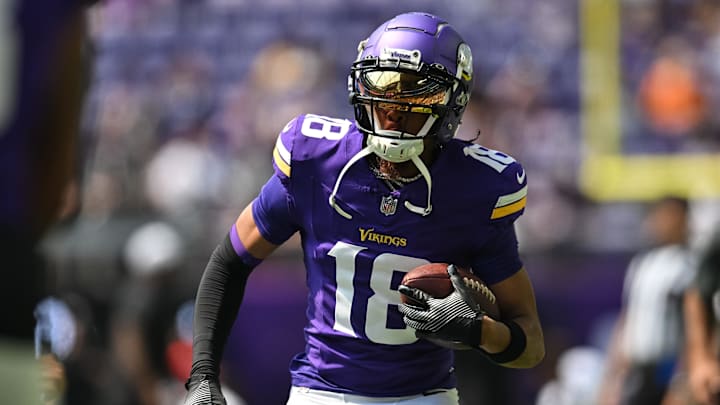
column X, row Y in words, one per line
column 395, row 150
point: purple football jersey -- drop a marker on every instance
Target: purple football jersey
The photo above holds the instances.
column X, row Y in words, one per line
column 356, row 340
column 30, row 35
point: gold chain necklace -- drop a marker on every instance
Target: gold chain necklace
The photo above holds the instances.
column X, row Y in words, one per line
column 399, row 180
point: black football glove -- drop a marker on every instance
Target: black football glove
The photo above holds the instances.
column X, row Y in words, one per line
column 203, row 390
column 454, row 321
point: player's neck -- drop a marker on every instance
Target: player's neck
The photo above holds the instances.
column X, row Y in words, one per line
column 403, row 171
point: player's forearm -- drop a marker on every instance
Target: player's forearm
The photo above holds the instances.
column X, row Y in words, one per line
column 217, row 303
column 497, row 338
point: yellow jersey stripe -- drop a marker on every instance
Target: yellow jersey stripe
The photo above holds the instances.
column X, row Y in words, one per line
column 281, row 164
column 282, row 150
column 504, row 211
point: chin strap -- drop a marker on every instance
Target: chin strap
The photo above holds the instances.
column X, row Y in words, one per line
column 426, row 174
column 364, row 152
column 410, row 206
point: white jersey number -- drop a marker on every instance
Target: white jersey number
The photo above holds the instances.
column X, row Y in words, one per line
column 493, row 158
column 379, row 303
column 317, row 126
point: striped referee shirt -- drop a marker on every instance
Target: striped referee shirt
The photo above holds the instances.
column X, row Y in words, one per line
column 652, row 296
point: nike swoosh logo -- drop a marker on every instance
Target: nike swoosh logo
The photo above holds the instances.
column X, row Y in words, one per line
column 520, row 176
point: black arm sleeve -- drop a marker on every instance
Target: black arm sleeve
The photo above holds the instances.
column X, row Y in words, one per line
column 217, row 303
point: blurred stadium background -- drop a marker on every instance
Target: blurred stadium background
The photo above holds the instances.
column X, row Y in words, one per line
column 609, row 104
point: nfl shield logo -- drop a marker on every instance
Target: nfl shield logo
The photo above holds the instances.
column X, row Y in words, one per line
column 388, row 205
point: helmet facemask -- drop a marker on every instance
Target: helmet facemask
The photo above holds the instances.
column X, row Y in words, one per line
column 413, row 93
column 381, row 92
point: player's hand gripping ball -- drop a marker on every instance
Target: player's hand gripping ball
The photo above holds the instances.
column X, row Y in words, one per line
column 446, row 304
column 433, row 280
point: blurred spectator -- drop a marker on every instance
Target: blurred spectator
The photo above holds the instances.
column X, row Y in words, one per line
column 149, row 337
column 578, row 377
column 142, row 327
column 670, row 92
column 83, row 371
column 186, row 93
column 643, row 351
column 284, row 80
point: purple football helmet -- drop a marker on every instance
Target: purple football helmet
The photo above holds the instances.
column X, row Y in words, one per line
column 414, row 62
column 417, row 63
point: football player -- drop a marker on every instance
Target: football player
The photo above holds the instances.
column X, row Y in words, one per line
column 42, row 82
column 371, row 200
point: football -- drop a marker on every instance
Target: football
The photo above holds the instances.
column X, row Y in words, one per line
column 434, row 280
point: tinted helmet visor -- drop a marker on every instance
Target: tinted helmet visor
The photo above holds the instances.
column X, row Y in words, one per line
column 404, row 88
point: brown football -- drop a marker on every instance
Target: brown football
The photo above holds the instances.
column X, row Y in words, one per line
column 434, row 280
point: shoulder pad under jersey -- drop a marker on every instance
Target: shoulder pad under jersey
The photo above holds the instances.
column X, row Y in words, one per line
column 305, row 137
column 501, row 176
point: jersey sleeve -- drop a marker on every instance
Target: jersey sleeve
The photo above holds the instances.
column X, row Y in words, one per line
column 499, row 258
column 272, row 212
column 500, row 186
column 512, row 196
column 499, row 181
